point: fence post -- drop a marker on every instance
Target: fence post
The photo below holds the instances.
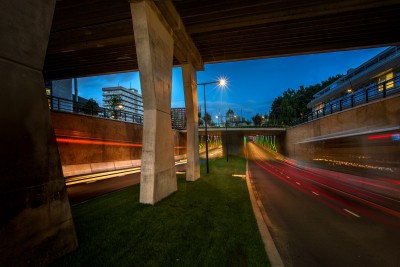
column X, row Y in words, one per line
column 352, row 100
column 366, row 96
column 340, row 104
column 384, row 90
column 331, row 108
column 58, row 103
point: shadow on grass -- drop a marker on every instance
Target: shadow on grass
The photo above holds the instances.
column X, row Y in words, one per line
column 205, row 223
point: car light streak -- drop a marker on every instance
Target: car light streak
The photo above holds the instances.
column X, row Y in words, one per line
column 334, row 191
column 394, row 136
column 352, row 213
column 94, row 142
column 338, row 209
column 91, row 178
column 353, row 164
column 356, row 194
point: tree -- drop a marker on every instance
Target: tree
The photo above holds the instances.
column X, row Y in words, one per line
column 229, row 117
column 91, row 107
column 207, row 119
column 257, row 119
column 293, row 104
column 114, row 103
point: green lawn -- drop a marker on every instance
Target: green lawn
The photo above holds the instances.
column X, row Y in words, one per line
column 209, row 222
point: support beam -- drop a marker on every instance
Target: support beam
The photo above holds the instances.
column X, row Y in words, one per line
column 154, row 48
column 35, row 218
column 192, row 147
column 185, row 51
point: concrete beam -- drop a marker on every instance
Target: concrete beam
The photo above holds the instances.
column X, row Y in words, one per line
column 154, row 48
column 303, row 11
column 192, row 147
column 35, row 220
column 185, row 51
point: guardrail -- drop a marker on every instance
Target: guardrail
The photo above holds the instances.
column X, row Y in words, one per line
column 352, row 99
column 67, row 105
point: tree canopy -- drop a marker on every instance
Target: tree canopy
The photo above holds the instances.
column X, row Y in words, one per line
column 257, row 119
column 293, row 104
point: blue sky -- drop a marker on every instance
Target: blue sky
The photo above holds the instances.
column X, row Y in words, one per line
column 252, row 84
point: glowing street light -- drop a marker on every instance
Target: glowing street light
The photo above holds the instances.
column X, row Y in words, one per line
column 222, row 82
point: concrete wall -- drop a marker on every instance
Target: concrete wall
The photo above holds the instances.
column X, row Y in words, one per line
column 110, row 132
column 383, row 114
column 35, row 218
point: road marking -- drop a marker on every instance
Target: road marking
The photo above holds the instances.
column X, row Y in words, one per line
column 352, row 213
column 298, row 183
column 315, row 193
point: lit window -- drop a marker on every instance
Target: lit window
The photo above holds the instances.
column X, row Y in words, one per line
column 386, row 79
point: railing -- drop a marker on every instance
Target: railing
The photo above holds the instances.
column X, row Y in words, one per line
column 361, row 96
column 67, row 105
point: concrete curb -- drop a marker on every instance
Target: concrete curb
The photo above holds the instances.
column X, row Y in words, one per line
column 262, row 219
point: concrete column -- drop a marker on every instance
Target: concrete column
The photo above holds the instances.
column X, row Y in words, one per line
column 192, row 147
column 35, row 217
column 154, row 49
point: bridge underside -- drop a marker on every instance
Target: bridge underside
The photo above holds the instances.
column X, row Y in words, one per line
column 91, row 37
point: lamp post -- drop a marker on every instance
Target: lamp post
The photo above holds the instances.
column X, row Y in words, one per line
column 221, row 83
column 226, row 136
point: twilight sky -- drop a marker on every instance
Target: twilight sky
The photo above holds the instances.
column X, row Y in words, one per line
column 252, row 84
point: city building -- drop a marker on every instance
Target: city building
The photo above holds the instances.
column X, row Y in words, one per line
column 377, row 78
column 130, row 106
column 178, row 118
column 59, row 93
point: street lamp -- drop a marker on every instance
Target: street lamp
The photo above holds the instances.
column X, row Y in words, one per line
column 226, row 135
column 120, row 106
column 221, row 83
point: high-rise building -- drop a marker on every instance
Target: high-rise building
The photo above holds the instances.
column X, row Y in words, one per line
column 130, row 106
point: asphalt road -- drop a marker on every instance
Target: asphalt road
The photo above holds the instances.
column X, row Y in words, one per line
column 324, row 218
column 85, row 187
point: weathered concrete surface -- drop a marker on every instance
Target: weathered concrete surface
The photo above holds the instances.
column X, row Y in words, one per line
column 154, row 49
column 119, row 144
column 87, row 128
column 35, row 218
column 380, row 115
column 190, row 89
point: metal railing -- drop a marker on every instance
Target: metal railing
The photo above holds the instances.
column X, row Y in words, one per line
column 359, row 97
column 67, row 105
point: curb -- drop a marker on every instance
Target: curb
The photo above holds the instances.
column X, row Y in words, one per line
column 262, row 218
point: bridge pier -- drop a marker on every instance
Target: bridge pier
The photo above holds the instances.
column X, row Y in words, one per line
column 192, row 147
column 154, row 49
column 36, row 224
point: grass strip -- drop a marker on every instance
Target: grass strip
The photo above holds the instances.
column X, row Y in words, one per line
column 209, row 222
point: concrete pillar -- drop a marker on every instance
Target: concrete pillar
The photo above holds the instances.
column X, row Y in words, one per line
column 154, row 49
column 35, row 217
column 192, row 147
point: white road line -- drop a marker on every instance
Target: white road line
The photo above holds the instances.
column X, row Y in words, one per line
column 352, row 213
column 298, row 183
column 315, row 193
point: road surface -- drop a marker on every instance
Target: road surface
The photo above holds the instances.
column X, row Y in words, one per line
column 84, row 187
column 324, row 218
